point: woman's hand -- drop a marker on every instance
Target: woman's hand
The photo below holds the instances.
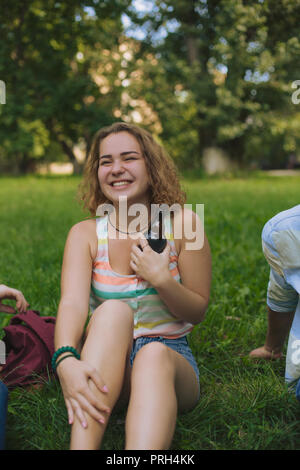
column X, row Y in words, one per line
column 10, row 293
column 74, row 376
column 148, row 264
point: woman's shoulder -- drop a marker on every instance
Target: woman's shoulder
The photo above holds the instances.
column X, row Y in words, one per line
column 186, row 218
column 84, row 232
column 185, row 213
column 84, row 227
column 187, row 226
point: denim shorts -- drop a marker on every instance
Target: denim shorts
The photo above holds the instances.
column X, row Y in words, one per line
column 179, row 345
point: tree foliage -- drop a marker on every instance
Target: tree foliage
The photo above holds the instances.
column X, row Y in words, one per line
column 198, row 73
column 48, row 51
column 224, row 77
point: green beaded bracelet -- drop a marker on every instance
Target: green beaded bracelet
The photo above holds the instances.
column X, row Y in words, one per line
column 62, row 358
column 62, row 350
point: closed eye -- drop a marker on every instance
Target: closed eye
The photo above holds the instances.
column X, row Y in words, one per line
column 105, row 162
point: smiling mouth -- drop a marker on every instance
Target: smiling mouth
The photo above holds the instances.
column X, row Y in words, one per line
column 119, row 184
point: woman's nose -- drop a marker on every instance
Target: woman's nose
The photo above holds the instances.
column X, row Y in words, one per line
column 117, row 167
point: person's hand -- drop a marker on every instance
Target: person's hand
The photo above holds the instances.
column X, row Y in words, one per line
column 265, row 353
column 147, row 263
column 10, row 293
column 74, row 376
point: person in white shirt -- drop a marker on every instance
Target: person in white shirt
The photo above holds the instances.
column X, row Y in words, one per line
column 281, row 247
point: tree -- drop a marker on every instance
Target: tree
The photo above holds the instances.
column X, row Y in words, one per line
column 49, row 52
column 225, row 72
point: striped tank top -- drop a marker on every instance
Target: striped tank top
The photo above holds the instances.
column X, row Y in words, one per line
column 151, row 315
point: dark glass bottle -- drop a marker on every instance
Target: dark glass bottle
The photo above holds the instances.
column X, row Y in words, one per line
column 155, row 235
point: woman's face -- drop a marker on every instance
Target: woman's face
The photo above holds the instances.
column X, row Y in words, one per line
column 122, row 169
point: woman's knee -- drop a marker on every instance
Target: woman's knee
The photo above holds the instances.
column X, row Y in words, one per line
column 113, row 313
column 155, row 355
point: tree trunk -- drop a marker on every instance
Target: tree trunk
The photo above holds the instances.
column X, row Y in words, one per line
column 69, row 151
column 27, row 164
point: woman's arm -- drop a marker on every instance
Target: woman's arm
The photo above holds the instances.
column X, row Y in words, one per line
column 188, row 300
column 75, row 288
column 72, row 314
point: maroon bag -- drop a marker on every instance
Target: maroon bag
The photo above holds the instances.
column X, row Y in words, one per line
column 29, row 343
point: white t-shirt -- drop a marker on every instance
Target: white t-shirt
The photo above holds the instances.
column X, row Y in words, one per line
column 281, row 247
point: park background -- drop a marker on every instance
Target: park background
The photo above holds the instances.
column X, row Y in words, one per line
column 215, row 82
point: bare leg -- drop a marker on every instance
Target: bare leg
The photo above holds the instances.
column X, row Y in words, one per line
column 162, row 382
column 107, row 348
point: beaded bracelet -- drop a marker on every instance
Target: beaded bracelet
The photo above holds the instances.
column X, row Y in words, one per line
column 62, row 358
column 61, row 351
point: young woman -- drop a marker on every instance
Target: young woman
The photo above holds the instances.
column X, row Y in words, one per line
column 134, row 349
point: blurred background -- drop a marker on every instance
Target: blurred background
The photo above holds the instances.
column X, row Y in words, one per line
column 216, row 81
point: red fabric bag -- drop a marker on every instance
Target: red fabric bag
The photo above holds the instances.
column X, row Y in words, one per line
column 29, row 343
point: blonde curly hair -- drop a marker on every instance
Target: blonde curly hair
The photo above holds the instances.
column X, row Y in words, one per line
column 163, row 176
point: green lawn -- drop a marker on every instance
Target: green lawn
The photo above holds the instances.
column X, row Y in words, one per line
column 244, row 404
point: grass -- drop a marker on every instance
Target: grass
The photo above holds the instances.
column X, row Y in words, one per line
column 244, row 404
